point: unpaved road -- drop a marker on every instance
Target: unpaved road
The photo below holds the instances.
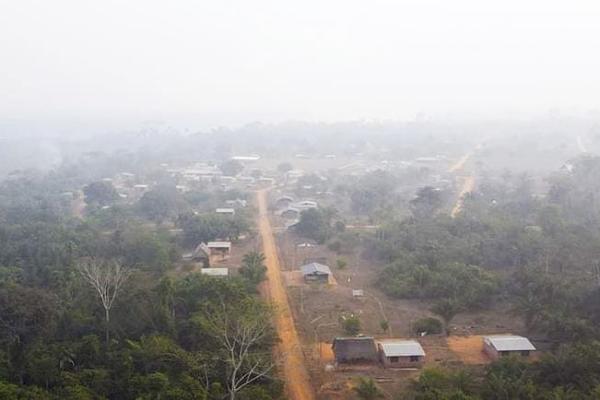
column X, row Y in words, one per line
column 297, row 381
column 467, row 187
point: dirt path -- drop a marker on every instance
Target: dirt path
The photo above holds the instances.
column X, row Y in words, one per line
column 468, row 183
column 297, row 381
column 467, row 187
column 457, row 166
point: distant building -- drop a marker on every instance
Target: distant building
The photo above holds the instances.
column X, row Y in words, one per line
column 219, row 248
column 315, row 272
column 497, row 346
column 284, row 201
column 237, row 203
column 215, row 271
column 400, row 353
column 290, row 213
column 354, row 349
column 225, row 211
column 305, row 205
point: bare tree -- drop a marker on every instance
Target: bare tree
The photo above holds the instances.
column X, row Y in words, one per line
column 241, row 331
column 106, row 278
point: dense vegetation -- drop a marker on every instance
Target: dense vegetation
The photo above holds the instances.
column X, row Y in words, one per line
column 162, row 340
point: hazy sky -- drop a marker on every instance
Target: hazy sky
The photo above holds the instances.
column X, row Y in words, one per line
column 276, row 60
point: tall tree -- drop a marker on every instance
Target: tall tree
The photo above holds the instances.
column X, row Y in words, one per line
column 106, row 278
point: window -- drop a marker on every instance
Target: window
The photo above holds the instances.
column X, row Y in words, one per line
column 504, row 353
column 394, row 359
column 525, row 353
column 414, row 358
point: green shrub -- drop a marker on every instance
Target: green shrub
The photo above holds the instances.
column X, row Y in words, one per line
column 430, row 325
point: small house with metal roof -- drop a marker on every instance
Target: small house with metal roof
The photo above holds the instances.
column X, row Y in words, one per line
column 315, row 272
column 354, row 349
column 497, row 346
column 397, row 353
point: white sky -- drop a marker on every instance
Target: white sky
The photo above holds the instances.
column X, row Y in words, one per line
column 303, row 59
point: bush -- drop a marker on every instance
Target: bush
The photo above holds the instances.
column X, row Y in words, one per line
column 430, row 325
column 351, row 324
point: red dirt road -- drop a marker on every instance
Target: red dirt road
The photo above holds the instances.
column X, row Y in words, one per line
column 297, row 381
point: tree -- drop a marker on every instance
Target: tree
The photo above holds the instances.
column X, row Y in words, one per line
column 366, row 389
column 231, row 167
column 351, row 324
column 447, row 310
column 161, row 203
column 100, row 193
column 240, row 330
column 314, row 224
column 427, row 201
column 106, row 278
column 253, row 267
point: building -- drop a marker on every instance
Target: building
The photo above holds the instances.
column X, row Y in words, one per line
column 354, row 349
column 284, row 201
column 315, row 272
column 225, row 211
column 239, row 203
column 290, row 213
column 215, row 271
column 305, row 205
column 400, row 353
column 219, row 248
column 497, row 346
column 201, row 253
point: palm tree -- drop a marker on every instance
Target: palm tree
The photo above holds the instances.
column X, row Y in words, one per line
column 253, row 267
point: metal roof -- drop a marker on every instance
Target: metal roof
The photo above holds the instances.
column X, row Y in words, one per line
column 509, row 343
column 219, row 245
column 315, row 268
column 215, row 271
column 401, row 348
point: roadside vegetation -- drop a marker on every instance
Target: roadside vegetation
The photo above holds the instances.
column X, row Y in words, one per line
column 95, row 308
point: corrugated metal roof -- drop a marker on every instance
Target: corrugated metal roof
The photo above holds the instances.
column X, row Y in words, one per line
column 509, row 343
column 402, row 348
column 215, row 271
column 315, row 268
column 219, row 245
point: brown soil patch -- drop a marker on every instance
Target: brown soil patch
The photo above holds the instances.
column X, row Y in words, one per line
column 468, row 348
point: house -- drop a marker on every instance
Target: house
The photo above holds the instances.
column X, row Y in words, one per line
column 497, row 346
column 354, row 349
column 315, row 272
column 225, row 211
column 284, row 202
column 239, row 203
column 215, row 271
column 201, row 253
column 290, row 213
column 397, row 353
column 219, row 248
column 305, row 205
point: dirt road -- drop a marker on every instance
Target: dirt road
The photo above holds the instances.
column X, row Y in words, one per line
column 468, row 183
column 467, row 187
column 297, row 381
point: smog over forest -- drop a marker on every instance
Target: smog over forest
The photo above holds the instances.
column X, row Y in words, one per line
column 299, row 200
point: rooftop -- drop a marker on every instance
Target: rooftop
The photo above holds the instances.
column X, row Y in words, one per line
column 509, row 343
column 215, row 271
column 401, row 348
column 219, row 245
column 315, row 268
